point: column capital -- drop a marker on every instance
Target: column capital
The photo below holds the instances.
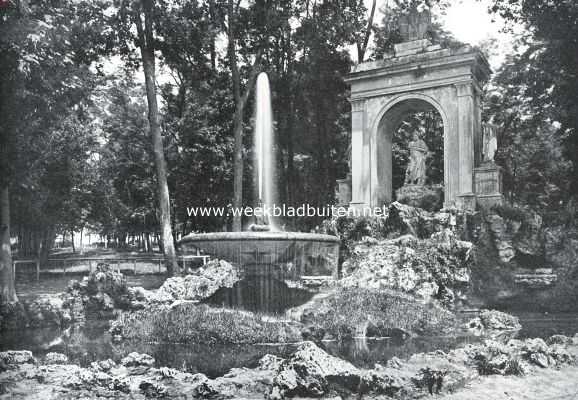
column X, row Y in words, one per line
column 465, row 89
column 357, row 105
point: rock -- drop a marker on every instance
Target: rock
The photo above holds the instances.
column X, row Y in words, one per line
column 116, row 328
column 529, row 240
column 135, row 359
column 405, row 219
column 270, row 362
column 48, row 310
column 558, row 339
column 310, row 371
column 152, row 389
column 497, row 320
column 502, row 237
column 427, row 197
column 13, row 358
column 433, row 268
column 202, row 284
column 103, row 365
column 105, row 280
column 535, row 281
column 56, row 358
column 540, row 359
column 119, row 385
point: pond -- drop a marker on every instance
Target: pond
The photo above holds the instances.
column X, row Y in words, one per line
column 84, row 344
column 91, row 342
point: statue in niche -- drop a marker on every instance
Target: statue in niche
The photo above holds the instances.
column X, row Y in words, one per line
column 418, row 154
column 490, row 142
column 415, row 25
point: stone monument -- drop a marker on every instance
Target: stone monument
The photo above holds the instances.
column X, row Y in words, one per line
column 488, row 175
column 415, row 174
column 415, row 25
column 419, row 76
column 415, row 192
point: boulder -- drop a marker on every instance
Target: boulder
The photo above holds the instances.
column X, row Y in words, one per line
column 502, row 235
column 14, row 358
column 152, row 389
column 103, row 365
column 48, row 310
column 310, row 371
column 529, row 240
column 56, row 358
column 203, row 283
column 427, row 197
column 137, row 363
column 494, row 320
column 433, row 268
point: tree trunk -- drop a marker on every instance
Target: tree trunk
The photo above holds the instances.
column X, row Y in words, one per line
column 362, row 46
column 7, row 289
column 237, row 119
column 240, row 102
column 148, row 57
column 72, row 240
column 80, row 245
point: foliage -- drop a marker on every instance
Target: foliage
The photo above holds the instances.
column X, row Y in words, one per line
column 534, row 99
column 383, row 312
column 511, row 213
column 192, row 323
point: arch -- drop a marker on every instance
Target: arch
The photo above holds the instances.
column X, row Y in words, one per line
column 382, row 129
column 408, row 96
column 448, row 80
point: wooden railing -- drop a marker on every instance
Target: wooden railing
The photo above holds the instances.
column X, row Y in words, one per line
column 114, row 261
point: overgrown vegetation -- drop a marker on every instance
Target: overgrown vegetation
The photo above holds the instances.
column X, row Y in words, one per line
column 192, row 323
column 350, row 312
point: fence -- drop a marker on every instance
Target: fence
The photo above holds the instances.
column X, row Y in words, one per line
column 69, row 262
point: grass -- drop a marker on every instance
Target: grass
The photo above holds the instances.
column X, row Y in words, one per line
column 353, row 311
column 193, row 323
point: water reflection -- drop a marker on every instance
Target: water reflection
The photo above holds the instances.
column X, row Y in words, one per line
column 84, row 344
column 264, row 293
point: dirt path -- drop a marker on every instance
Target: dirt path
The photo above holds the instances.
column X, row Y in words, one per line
column 539, row 384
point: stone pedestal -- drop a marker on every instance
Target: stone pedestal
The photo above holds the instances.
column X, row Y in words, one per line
column 488, row 185
column 428, row 197
column 343, row 191
column 414, row 47
column 466, row 202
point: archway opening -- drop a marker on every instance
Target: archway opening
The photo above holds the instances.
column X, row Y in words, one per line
column 402, row 124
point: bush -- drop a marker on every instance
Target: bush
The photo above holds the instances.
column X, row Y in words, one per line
column 192, row 323
column 348, row 312
column 509, row 212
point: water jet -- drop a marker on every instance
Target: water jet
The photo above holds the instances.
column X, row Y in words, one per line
column 264, row 253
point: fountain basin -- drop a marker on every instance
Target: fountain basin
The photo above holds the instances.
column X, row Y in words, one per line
column 289, row 255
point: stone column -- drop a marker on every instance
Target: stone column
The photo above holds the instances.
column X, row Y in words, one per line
column 467, row 114
column 359, row 155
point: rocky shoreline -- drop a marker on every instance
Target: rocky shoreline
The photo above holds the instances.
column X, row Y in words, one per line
column 308, row 372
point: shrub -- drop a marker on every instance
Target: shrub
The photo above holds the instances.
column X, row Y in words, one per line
column 509, row 212
column 192, row 323
column 355, row 311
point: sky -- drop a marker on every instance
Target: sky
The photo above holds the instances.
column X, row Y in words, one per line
column 470, row 22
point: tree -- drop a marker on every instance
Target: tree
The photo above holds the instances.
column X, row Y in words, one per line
column 142, row 14
column 42, row 83
column 240, row 102
column 550, row 80
column 531, row 151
